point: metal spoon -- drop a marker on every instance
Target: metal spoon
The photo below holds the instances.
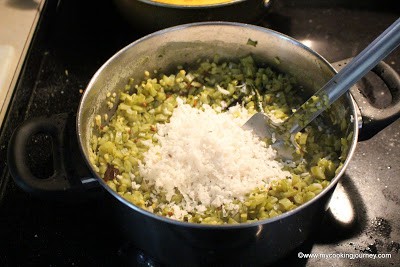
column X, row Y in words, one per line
column 262, row 126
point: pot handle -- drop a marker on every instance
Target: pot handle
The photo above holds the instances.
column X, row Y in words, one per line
column 375, row 119
column 70, row 178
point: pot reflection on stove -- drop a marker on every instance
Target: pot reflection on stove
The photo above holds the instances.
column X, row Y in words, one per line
column 341, row 208
column 346, row 215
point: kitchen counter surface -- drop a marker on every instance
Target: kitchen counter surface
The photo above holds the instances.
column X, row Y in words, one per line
column 18, row 20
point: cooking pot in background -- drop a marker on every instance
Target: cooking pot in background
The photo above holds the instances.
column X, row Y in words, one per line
column 180, row 243
column 148, row 16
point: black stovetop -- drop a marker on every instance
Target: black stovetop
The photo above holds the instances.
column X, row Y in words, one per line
column 74, row 38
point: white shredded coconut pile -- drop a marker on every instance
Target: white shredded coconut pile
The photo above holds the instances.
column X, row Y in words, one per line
column 209, row 158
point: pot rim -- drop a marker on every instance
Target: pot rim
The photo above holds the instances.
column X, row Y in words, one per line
column 334, row 181
column 207, row 6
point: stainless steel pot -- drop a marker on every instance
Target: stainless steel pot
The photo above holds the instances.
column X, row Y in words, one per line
column 148, row 15
column 183, row 243
column 180, row 243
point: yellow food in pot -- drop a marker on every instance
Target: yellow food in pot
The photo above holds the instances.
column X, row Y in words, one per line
column 192, row 2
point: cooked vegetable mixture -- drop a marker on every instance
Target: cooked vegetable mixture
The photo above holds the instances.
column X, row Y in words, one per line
column 122, row 144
